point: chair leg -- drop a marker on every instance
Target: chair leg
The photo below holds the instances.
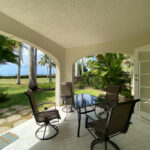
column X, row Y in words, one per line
column 114, row 144
column 44, row 131
column 96, row 141
column 42, row 137
column 105, row 144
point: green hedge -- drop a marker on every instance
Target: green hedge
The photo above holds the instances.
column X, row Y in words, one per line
column 47, row 86
column 24, row 77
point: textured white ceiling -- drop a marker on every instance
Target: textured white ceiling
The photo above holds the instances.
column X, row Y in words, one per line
column 73, row 23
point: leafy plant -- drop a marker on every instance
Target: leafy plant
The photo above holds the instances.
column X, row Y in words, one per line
column 127, row 93
column 106, row 69
column 6, row 50
column 80, row 85
column 47, row 86
column 3, row 97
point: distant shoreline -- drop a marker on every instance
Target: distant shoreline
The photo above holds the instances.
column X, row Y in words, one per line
column 24, row 76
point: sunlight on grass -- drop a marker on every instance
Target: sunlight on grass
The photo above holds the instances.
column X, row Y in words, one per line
column 89, row 91
column 16, row 92
column 17, row 97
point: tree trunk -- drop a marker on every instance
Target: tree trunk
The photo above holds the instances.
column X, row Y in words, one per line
column 50, row 70
column 19, row 67
column 35, row 58
column 32, row 75
column 76, row 69
column 82, row 66
column 19, row 63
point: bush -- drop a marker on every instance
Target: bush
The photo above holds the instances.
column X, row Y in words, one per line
column 80, row 85
column 47, row 86
column 25, row 76
column 126, row 93
column 91, row 80
column 3, row 97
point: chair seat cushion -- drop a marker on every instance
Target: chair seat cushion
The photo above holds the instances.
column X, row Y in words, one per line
column 99, row 127
column 48, row 115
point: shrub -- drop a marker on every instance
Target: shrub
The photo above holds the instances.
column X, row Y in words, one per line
column 80, row 85
column 3, row 97
column 47, row 86
column 107, row 69
column 126, row 93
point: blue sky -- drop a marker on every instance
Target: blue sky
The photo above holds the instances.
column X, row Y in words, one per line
column 10, row 69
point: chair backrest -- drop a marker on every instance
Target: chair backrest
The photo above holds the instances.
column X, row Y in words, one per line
column 66, row 89
column 112, row 93
column 119, row 118
column 33, row 104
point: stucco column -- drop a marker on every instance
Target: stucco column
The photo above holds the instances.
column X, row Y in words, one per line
column 60, row 71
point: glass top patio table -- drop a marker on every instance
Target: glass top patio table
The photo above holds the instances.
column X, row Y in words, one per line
column 82, row 101
column 86, row 100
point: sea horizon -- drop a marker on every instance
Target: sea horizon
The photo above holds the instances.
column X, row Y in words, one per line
column 11, row 70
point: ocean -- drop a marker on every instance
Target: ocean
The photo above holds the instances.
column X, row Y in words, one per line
column 11, row 70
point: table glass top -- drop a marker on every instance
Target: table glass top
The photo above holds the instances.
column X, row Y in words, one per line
column 85, row 100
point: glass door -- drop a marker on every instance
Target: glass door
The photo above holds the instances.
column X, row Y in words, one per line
column 144, row 81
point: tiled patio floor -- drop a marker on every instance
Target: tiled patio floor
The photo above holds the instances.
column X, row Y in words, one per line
column 137, row 138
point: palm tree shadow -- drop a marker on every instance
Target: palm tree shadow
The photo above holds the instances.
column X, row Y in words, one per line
column 21, row 99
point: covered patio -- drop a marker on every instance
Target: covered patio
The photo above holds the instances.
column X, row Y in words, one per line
column 68, row 30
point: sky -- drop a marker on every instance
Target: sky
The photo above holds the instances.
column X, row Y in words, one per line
column 10, row 69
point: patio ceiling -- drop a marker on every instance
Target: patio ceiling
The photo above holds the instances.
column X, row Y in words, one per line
column 72, row 23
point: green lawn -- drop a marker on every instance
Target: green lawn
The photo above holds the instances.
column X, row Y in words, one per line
column 91, row 91
column 17, row 97
column 16, row 92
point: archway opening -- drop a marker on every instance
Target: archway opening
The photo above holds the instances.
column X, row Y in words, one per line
column 94, row 73
column 14, row 81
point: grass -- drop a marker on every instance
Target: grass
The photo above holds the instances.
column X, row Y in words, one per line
column 91, row 91
column 23, row 81
column 17, row 97
column 16, row 92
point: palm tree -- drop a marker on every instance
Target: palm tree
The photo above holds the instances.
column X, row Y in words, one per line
column 32, row 75
column 19, row 48
column 46, row 60
column 35, row 59
column 7, row 50
column 82, row 65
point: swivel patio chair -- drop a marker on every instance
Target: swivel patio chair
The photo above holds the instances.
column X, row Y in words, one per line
column 44, row 119
column 67, row 96
column 117, row 122
column 112, row 93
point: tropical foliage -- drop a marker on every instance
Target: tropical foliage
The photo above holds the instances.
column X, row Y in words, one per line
column 106, row 69
column 6, row 50
column 46, row 60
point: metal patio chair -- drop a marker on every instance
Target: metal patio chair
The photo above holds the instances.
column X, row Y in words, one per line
column 117, row 122
column 44, row 119
column 67, row 96
column 112, row 93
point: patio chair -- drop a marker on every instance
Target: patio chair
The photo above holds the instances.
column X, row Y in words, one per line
column 44, row 119
column 112, row 93
column 117, row 122
column 67, row 96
